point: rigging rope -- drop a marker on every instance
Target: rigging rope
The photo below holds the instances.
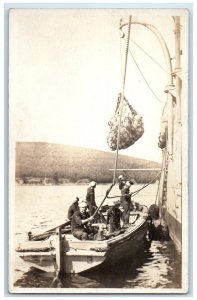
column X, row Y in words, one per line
column 137, row 191
column 145, row 79
column 122, row 97
column 121, row 62
column 156, row 62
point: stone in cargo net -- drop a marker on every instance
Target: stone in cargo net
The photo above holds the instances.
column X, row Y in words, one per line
column 131, row 127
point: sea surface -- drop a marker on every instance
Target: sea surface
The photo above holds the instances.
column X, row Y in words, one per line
column 40, row 208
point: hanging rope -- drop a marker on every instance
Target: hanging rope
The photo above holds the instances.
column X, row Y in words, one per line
column 122, row 97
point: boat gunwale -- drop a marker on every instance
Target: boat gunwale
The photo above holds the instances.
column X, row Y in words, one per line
column 131, row 230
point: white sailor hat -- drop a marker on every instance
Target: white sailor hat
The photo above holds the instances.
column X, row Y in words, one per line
column 82, row 203
column 93, row 183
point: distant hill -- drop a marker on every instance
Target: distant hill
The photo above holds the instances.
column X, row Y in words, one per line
column 45, row 160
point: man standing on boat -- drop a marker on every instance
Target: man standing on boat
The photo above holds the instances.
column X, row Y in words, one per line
column 90, row 197
column 121, row 182
column 126, row 203
column 73, row 208
column 79, row 222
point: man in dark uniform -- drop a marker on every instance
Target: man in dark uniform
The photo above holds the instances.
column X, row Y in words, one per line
column 79, row 222
column 73, row 208
column 113, row 217
column 126, row 203
column 121, row 182
column 90, row 197
column 99, row 217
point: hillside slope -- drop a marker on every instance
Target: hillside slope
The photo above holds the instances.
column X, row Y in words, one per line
column 45, row 160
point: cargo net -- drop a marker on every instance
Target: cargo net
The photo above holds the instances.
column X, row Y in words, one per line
column 131, row 126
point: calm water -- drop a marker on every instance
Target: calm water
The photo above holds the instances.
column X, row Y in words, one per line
column 39, row 208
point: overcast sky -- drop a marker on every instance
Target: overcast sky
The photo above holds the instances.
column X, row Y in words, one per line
column 65, row 75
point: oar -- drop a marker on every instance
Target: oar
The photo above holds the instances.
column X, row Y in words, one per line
column 62, row 225
column 46, row 234
column 107, row 193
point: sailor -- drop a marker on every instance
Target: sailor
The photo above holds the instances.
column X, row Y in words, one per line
column 121, row 182
column 126, row 203
column 79, row 222
column 90, row 197
column 114, row 217
column 73, row 208
column 99, row 217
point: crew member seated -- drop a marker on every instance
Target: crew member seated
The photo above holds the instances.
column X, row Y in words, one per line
column 79, row 222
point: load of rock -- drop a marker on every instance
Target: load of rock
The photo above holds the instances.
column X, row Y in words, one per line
column 131, row 126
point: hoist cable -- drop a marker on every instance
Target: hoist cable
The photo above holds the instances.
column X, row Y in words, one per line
column 122, row 97
column 157, row 98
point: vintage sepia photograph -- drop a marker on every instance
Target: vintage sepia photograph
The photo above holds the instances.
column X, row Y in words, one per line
column 98, row 150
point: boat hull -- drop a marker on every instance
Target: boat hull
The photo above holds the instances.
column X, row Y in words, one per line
column 70, row 255
column 127, row 249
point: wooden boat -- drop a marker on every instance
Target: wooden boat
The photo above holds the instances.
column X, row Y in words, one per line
column 68, row 254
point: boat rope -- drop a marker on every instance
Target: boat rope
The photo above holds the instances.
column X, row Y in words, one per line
column 154, row 60
column 100, row 249
column 165, row 170
column 97, row 249
column 41, row 249
column 162, row 168
column 122, row 97
column 147, row 184
column 152, row 91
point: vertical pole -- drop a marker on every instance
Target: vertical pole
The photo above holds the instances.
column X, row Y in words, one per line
column 177, row 70
column 59, row 251
column 177, row 73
